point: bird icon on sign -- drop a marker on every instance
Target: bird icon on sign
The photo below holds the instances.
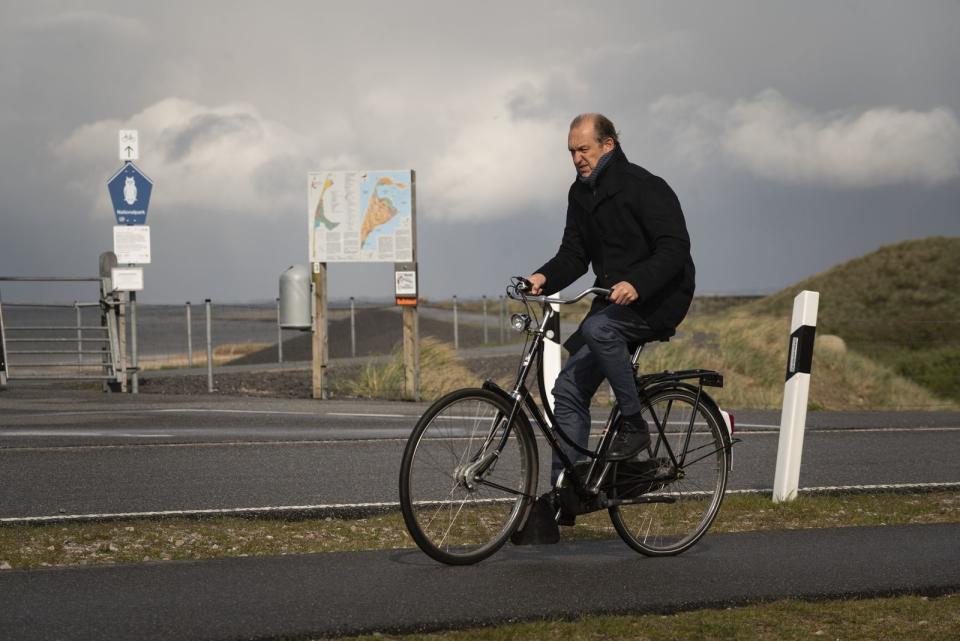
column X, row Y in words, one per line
column 130, row 190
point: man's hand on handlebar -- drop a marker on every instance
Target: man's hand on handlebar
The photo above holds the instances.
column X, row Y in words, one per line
column 623, row 293
column 537, row 281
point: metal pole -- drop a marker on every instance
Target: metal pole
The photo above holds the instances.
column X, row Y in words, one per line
column 503, row 316
column 189, row 338
column 133, row 342
column 486, row 338
column 456, row 325
column 279, row 335
column 76, row 306
column 353, row 330
column 209, row 349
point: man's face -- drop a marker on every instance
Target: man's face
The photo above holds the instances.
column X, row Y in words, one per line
column 584, row 148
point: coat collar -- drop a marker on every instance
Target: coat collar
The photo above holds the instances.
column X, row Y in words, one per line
column 609, row 183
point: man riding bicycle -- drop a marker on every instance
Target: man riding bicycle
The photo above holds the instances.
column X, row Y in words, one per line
column 627, row 223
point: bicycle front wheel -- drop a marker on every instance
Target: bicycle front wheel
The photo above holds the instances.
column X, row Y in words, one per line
column 676, row 503
column 461, row 498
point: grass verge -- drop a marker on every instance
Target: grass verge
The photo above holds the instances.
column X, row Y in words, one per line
column 30, row 546
column 222, row 354
column 908, row 618
column 441, row 371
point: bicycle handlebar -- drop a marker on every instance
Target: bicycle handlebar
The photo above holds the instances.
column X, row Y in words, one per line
column 516, row 293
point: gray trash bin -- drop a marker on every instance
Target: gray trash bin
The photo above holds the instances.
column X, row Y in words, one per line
column 295, row 298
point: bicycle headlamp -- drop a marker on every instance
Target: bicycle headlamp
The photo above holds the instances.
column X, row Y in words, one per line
column 520, row 322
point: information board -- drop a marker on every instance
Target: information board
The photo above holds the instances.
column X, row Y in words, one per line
column 127, row 279
column 361, row 216
column 131, row 244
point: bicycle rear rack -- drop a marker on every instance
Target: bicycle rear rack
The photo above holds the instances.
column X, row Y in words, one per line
column 706, row 377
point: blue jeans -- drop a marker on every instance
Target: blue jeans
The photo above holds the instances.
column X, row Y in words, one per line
column 609, row 335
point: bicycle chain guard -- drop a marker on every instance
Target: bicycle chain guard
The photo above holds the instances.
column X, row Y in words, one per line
column 630, row 480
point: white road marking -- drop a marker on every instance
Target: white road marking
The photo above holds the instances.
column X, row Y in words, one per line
column 334, row 508
column 205, row 444
column 205, row 410
column 361, row 415
column 414, row 417
column 852, row 430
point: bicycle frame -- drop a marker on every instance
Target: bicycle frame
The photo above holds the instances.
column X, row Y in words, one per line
column 520, row 398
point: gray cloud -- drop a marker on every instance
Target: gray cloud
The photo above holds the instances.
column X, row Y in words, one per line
column 237, row 102
column 207, row 128
column 773, row 138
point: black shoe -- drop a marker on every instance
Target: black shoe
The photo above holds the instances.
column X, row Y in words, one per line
column 632, row 437
column 565, row 518
column 541, row 525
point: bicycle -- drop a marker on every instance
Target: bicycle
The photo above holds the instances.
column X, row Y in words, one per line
column 470, row 467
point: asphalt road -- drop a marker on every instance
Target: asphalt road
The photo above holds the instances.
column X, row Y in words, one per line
column 84, row 454
column 396, row 591
column 76, row 454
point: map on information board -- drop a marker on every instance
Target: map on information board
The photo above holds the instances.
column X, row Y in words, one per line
column 360, row 216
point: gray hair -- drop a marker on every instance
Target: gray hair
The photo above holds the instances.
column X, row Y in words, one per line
column 602, row 125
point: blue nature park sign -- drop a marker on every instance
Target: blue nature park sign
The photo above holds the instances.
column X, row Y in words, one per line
column 130, row 191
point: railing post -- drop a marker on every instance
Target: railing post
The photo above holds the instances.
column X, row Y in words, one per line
column 209, row 348
column 3, row 349
column 456, row 325
column 189, row 337
column 279, row 335
column 803, row 327
column 503, row 316
column 486, row 338
column 76, row 306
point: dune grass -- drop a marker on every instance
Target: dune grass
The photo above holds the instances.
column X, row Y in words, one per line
column 899, row 305
column 886, row 339
column 750, row 349
column 747, row 347
column 441, row 371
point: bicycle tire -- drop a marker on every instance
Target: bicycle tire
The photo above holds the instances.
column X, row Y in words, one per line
column 452, row 519
column 684, row 501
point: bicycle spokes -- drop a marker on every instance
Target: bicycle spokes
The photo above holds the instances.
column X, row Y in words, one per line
column 668, row 503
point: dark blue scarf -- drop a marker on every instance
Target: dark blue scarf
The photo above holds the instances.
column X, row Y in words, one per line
column 591, row 180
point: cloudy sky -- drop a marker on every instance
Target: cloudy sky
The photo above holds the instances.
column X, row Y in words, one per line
column 796, row 134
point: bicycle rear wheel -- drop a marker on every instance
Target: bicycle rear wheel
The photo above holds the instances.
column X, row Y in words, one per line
column 678, row 502
column 459, row 501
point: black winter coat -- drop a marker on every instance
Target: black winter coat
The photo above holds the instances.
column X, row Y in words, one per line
column 630, row 228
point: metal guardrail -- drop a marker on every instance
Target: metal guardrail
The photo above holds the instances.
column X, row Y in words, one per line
column 38, row 351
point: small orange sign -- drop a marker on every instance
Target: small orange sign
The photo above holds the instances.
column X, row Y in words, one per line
column 405, row 300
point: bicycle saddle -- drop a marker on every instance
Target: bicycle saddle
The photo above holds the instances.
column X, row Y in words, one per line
column 660, row 337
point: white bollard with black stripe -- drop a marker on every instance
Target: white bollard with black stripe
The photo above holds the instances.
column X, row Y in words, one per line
column 796, row 390
column 551, row 354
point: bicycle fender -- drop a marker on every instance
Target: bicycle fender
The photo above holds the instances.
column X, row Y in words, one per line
column 524, row 420
column 490, row 386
